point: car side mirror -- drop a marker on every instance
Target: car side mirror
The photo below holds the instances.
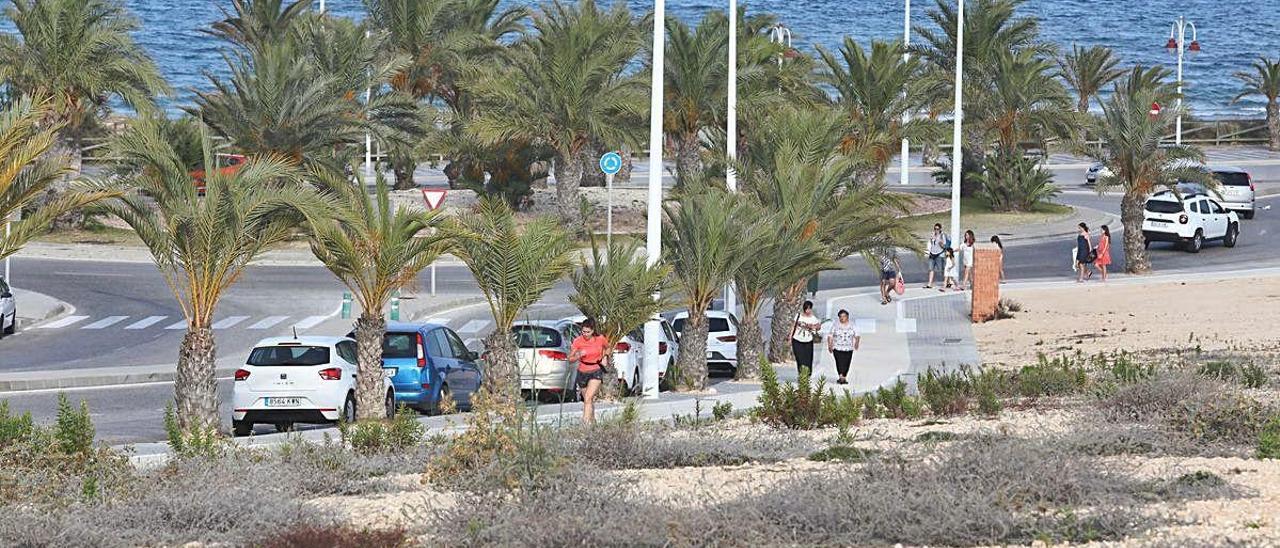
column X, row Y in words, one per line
column 6, row 295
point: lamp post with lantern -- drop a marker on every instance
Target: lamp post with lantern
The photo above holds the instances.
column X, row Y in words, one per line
column 1178, row 44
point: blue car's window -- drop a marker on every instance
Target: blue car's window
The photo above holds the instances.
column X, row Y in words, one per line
column 400, row 345
column 438, row 345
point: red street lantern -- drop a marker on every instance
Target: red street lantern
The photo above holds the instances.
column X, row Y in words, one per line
column 791, row 53
column 1171, row 45
column 1155, row 110
column 1194, row 47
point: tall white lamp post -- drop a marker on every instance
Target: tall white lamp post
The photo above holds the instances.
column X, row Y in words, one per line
column 653, row 234
column 1178, row 43
column 731, row 132
column 958, row 119
column 906, row 116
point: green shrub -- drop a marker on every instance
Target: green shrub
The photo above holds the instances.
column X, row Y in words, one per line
column 1060, row 376
column 401, row 432
column 871, row 406
column 503, row 448
column 946, row 393
column 722, row 411
column 803, row 405
column 194, row 443
column 840, row 453
column 1249, row 375
column 1012, row 182
column 15, row 428
column 1125, row 370
column 937, row 436
column 73, row 429
column 1269, row 439
column 897, row 403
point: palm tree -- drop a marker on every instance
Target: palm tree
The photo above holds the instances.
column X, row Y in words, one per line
column 565, row 87
column 1022, row 102
column 707, row 235
column 616, row 289
column 81, row 55
column 259, row 23
column 444, row 40
column 1138, row 163
column 375, row 249
column 1264, row 81
column 697, row 65
column 514, row 267
column 202, row 245
column 1088, row 70
column 29, row 170
column 873, row 92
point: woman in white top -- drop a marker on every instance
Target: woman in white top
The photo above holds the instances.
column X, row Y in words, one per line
column 803, row 334
column 967, row 259
column 843, row 342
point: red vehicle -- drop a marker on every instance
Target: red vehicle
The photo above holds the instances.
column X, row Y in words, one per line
column 227, row 165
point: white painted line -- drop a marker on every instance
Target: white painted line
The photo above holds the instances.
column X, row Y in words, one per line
column 145, row 322
column 63, row 322
column 106, row 322
column 229, row 321
column 310, row 321
column 180, row 324
column 439, row 320
column 474, row 326
column 865, row 325
column 269, row 321
column 905, row 325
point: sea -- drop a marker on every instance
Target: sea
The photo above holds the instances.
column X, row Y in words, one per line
column 1232, row 34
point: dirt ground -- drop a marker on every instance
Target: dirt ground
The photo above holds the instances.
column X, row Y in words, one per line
column 1096, row 317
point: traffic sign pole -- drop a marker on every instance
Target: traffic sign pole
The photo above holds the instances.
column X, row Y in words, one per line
column 610, row 163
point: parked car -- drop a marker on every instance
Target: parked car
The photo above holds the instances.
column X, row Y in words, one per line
column 1188, row 220
column 722, row 338
column 668, row 350
column 288, row 380
column 543, row 356
column 428, row 364
column 1236, row 188
column 627, row 356
column 227, row 164
column 1095, row 172
column 8, row 310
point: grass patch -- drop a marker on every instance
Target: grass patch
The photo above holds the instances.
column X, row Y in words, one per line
column 841, row 453
column 976, row 214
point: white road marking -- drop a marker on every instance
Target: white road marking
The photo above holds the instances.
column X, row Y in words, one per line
column 441, row 321
column 310, row 321
column 181, row 324
column 145, row 322
column 106, row 322
column 474, row 326
column 229, row 321
column 269, row 321
column 865, row 325
column 63, row 322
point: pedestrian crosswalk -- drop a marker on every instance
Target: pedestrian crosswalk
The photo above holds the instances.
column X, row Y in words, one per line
column 274, row 323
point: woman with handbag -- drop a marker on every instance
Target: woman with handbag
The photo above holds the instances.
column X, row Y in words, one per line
column 1085, row 254
column 890, row 272
column 803, row 334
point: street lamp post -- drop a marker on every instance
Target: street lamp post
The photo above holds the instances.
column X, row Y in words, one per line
column 1178, row 41
column 653, row 233
column 731, row 132
column 906, row 116
column 958, row 119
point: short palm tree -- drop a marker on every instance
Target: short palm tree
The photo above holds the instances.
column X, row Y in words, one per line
column 1088, row 70
column 706, row 238
column 566, row 87
column 1138, row 163
column 514, row 267
column 616, row 289
column 375, row 249
column 202, row 245
column 697, row 62
column 1022, row 102
column 29, row 170
column 1264, row 81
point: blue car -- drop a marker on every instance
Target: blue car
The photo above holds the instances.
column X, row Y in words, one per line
column 429, row 364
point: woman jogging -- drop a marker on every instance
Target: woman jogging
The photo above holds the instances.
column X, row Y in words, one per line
column 589, row 350
column 843, row 343
column 803, row 333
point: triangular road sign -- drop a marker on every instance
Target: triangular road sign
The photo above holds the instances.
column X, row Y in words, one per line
column 433, row 197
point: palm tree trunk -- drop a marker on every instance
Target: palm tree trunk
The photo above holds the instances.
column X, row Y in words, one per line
column 786, row 305
column 1082, row 105
column 370, row 328
column 750, row 341
column 1273, row 125
column 1135, row 249
column 568, row 179
column 403, row 167
column 502, row 374
column 692, row 362
column 624, row 174
column 194, row 386
column 71, row 148
column 688, row 162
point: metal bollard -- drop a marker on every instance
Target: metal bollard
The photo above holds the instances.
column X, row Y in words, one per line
column 395, row 306
column 346, row 305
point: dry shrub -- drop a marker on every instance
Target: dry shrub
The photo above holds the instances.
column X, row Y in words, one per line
column 1206, row 410
column 311, row 536
column 502, row 448
column 640, row 446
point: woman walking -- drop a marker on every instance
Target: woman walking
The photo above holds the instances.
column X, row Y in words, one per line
column 1104, row 252
column 999, row 245
column 803, row 333
column 589, row 350
column 844, row 341
column 938, row 244
column 966, row 256
column 1085, row 254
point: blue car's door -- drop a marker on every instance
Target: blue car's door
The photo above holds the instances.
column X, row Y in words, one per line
column 465, row 361
column 449, row 368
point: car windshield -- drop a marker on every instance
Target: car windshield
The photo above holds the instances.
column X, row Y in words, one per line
column 289, row 355
column 1164, row 206
column 400, row 345
column 532, row 336
column 1232, row 178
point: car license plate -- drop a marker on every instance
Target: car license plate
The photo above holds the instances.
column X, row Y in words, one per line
column 390, row 371
column 283, row 402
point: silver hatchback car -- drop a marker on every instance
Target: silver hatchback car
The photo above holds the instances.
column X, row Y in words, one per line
column 8, row 310
column 1235, row 186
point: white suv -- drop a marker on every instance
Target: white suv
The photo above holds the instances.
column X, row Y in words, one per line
column 1235, row 186
column 287, row 380
column 8, row 310
column 722, row 338
column 1189, row 220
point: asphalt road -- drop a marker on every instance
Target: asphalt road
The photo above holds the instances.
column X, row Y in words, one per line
column 287, row 296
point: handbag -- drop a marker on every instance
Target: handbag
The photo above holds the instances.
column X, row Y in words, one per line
column 899, row 287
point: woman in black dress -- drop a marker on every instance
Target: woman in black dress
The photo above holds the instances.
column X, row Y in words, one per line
column 1084, row 254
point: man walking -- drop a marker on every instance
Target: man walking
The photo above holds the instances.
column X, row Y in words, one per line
column 938, row 244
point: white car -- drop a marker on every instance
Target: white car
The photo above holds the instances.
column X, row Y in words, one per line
column 627, row 357
column 722, row 338
column 8, row 310
column 1096, row 171
column 668, row 350
column 288, row 380
column 542, row 355
column 1235, row 187
column 1190, row 220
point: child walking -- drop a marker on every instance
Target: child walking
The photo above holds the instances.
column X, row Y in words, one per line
column 949, row 274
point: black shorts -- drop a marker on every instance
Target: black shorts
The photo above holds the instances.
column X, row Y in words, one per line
column 888, row 275
column 584, row 378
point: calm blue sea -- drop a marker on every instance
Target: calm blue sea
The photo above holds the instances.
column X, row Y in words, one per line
column 1232, row 32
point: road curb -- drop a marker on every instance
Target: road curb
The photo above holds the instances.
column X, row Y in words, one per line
column 55, row 309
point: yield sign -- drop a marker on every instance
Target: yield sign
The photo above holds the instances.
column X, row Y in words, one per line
column 433, row 197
